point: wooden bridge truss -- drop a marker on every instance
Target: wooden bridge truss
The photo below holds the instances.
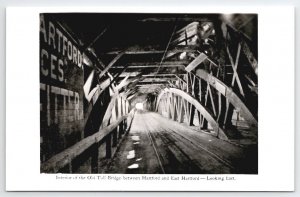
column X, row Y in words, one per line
column 205, row 77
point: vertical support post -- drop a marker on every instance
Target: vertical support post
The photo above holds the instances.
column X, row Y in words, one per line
column 70, row 167
column 209, row 90
column 124, row 106
column 186, row 110
column 181, row 110
column 200, row 90
column 113, row 113
column 187, row 83
column 223, row 110
column 199, row 119
column 119, row 107
column 108, row 146
column 115, row 137
column 124, row 125
column 237, row 118
column 192, row 113
column 204, row 123
column 168, row 106
column 164, row 109
column 121, row 129
column 175, row 107
column 228, row 115
column 219, row 106
column 95, row 156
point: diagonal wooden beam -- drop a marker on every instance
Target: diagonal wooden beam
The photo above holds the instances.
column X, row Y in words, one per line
column 234, row 66
column 185, row 36
column 235, row 74
column 122, row 83
column 229, row 94
column 251, row 58
column 95, row 39
column 214, row 124
column 198, row 60
column 111, row 64
column 211, row 99
column 187, row 28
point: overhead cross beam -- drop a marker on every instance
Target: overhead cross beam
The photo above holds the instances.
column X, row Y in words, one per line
column 111, row 64
column 154, row 79
column 154, row 50
column 187, row 28
column 152, row 83
column 127, row 82
column 134, row 74
column 168, row 64
column 178, row 19
column 147, row 86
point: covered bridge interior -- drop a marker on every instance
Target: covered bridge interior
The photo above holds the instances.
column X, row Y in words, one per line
column 149, row 93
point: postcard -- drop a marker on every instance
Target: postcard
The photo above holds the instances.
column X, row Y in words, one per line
column 115, row 99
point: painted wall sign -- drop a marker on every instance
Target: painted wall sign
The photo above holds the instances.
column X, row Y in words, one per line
column 61, row 82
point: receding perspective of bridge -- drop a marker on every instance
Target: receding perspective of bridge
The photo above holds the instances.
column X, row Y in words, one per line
column 148, row 93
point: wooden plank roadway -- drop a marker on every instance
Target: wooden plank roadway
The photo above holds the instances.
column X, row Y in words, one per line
column 157, row 145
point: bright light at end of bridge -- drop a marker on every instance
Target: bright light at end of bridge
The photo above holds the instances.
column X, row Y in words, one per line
column 139, row 106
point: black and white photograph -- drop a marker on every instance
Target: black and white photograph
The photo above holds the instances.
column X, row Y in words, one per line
column 150, row 98
column 148, row 93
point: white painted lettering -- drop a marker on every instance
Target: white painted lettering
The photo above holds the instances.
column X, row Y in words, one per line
column 70, row 52
column 51, row 38
column 53, row 63
column 43, row 27
column 44, row 54
column 59, row 38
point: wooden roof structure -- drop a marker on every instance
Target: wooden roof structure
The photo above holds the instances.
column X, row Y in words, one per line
column 152, row 48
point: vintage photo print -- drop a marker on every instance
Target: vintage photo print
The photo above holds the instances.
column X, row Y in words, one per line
column 149, row 93
column 150, row 99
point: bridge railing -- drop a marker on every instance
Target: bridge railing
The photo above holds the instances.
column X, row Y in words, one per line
column 69, row 160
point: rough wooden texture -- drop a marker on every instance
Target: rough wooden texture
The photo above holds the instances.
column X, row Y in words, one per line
column 229, row 94
column 198, row 60
column 60, row 160
column 161, row 145
column 251, row 58
column 154, row 50
column 111, row 64
column 198, row 106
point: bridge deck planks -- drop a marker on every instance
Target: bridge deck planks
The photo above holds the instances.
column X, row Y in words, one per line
column 178, row 150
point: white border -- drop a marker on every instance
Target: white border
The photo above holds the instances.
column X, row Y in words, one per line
column 276, row 106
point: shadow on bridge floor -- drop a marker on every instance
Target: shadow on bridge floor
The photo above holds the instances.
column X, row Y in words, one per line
column 157, row 145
